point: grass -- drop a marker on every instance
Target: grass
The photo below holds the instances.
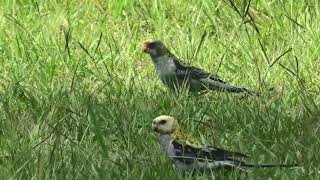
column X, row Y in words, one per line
column 77, row 95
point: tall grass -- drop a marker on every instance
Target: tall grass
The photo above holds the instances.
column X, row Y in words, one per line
column 77, row 95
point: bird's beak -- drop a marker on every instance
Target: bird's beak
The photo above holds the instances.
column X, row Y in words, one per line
column 145, row 47
column 154, row 127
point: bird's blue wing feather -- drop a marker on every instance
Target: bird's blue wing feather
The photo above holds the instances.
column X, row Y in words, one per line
column 183, row 70
column 210, row 153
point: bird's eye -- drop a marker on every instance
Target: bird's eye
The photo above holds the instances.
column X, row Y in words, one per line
column 162, row 122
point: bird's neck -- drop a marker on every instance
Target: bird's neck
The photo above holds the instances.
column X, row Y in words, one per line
column 164, row 141
column 158, row 59
column 155, row 56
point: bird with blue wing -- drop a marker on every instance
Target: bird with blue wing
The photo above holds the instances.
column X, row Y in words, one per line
column 188, row 155
column 178, row 75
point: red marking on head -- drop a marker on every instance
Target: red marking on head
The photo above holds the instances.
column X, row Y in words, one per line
column 145, row 47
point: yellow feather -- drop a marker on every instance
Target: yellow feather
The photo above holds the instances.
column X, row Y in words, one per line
column 180, row 136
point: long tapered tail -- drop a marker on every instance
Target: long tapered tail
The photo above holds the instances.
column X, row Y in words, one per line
column 215, row 85
column 268, row 165
column 241, row 90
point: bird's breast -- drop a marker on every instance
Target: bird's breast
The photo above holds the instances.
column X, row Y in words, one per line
column 166, row 70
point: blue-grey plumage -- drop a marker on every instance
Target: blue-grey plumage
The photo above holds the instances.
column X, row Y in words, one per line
column 177, row 75
column 187, row 157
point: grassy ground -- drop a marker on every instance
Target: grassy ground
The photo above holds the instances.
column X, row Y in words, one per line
column 77, row 95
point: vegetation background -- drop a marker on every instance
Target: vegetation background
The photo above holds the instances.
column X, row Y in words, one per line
column 77, row 94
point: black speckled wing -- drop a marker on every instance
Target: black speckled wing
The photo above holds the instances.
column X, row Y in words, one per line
column 186, row 151
column 184, row 71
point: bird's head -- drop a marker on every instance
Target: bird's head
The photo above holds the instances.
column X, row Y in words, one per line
column 155, row 48
column 164, row 124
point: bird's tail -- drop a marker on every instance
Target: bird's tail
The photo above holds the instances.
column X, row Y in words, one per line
column 242, row 90
column 229, row 88
column 267, row 165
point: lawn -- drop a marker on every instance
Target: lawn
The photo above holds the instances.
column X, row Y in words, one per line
column 77, row 94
